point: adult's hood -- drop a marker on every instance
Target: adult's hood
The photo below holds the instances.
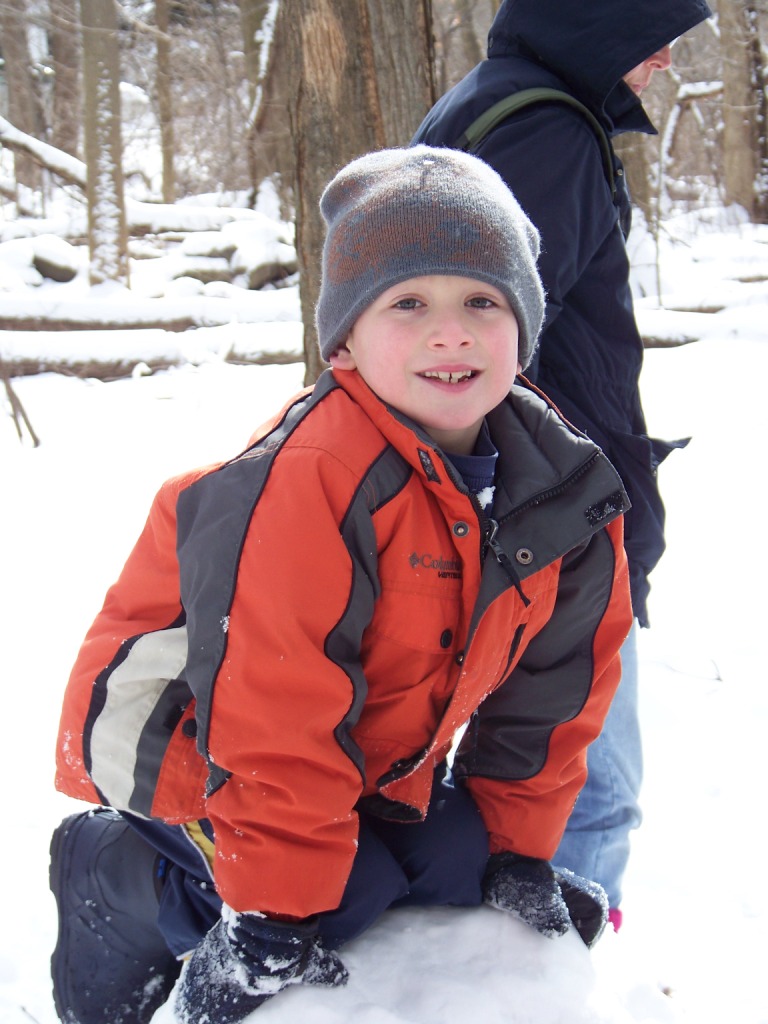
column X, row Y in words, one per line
column 592, row 44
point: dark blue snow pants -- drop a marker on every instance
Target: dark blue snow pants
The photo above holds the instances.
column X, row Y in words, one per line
column 436, row 862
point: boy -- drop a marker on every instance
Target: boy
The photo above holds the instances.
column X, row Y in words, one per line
column 272, row 689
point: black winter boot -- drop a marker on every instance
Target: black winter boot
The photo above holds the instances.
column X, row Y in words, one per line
column 111, row 964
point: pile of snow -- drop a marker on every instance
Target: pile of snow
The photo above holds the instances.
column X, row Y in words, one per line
column 199, row 256
column 217, row 273
column 449, row 966
column 702, row 279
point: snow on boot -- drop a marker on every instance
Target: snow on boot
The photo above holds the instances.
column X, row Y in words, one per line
column 111, row 964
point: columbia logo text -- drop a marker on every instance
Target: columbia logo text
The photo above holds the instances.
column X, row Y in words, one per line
column 446, row 568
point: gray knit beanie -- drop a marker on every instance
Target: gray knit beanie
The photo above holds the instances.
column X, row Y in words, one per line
column 401, row 213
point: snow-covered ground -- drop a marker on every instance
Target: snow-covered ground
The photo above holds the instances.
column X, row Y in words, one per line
column 696, row 908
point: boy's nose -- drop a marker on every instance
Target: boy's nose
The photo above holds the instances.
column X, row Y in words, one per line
column 448, row 332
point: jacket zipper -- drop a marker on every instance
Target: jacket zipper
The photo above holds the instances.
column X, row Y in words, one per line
column 490, row 529
column 490, row 526
column 553, row 492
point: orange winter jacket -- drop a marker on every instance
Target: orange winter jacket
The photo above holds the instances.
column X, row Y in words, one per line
column 301, row 633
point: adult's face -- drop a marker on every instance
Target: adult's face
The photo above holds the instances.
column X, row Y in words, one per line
column 639, row 77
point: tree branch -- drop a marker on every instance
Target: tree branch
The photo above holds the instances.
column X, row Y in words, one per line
column 64, row 166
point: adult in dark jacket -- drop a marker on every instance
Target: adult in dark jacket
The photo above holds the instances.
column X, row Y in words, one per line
column 603, row 53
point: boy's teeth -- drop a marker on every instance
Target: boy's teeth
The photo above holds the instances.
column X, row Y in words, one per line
column 447, row 377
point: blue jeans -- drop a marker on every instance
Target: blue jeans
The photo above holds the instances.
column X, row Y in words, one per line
column 596, row 840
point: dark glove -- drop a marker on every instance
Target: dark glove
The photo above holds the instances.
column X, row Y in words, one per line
column 546, row 898
column 243, row 960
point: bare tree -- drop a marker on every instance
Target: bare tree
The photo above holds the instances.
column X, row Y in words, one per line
column 744, row 101
column 470, row 44
column 265, row 158
column 163, row 87
column 334, row 116
column 336, row 111
column 64, row 42
column 23, row 101
column 459, row 44
column 107, row 238
column 738, row 105
column 209, row 94
column 253, row 14
column 402, row 43
column 760, row 88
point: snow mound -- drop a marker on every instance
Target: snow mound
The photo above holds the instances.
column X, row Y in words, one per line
column 450, row 966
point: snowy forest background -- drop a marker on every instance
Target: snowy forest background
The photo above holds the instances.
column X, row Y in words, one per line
column 113, row 115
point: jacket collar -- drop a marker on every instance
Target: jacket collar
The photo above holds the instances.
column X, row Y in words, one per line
column 538, row 449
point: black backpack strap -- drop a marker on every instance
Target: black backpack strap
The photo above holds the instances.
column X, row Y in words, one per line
column 500, row 111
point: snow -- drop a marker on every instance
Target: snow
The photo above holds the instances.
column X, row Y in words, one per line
column 696, row 908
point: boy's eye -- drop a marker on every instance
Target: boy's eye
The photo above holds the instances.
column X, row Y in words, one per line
column 480, row 302
column 407, row 303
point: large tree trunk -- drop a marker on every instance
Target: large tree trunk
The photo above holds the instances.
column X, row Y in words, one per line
column 760, row 92
column 742, row 104
column 337, row 109
column 334, row 117
column 65, row 60
column 471, row 49
column 24, row 108
column 107, row 237
column 401, row 40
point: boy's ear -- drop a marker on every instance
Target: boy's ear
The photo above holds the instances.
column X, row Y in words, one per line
column 342, row 359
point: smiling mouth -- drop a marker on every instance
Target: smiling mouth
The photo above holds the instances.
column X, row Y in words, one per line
column 449, row 377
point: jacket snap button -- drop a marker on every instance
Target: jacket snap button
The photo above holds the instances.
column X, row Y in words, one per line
column 460, row 658
column 446, row 638
column 189, row 728
column 461, row 529
column 524, row 556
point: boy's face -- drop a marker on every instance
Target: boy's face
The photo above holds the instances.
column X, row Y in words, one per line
column 441, row 349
